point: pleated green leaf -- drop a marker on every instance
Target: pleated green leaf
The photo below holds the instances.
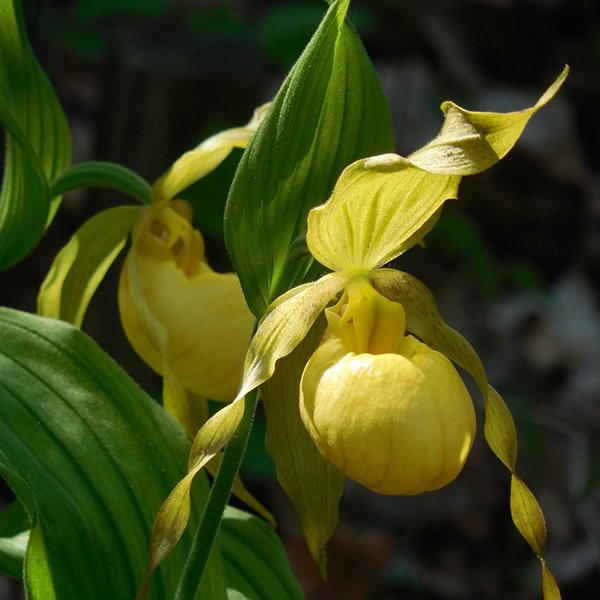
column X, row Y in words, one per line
column 329, row 112
column 381, row 204
column 78, row 269
column 424, row 320
column 28, row 102
column 92, row 457
column 313, row 484
column 104, row 175
column 95, row 454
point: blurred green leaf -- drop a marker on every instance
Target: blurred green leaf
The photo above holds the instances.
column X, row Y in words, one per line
column 329, row 112
column 85, row 11
column 254, row 558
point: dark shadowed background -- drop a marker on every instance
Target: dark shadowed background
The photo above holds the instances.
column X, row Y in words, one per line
column 514, row 264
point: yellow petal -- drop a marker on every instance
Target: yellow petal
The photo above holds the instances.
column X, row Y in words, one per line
column 206, row 157
column 365, row 321
column 383, row 205
column 396, row 423
column 424, row 320
column 80, row 266
column 282, row 328
column 378, row 204
column 204, row 322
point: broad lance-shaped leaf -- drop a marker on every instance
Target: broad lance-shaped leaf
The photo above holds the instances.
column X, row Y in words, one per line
column 80, row 444
column 424, row 320
column 381, row 206
column 28, row 103
column 329, row 112
column 312, row 483
column 92, row 457
column 80, row 266
column 282, row 328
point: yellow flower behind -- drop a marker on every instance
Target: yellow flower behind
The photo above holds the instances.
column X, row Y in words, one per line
column 201, row 314
column 384, row 408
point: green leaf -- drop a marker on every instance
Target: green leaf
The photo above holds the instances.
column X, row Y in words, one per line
column 102, row 174
column 80, row 266
column 29, row 102
column 329, row 111
column 24, row 198
column 92, row 457
column 95, row 453
column 313, row 484
column 383, row 205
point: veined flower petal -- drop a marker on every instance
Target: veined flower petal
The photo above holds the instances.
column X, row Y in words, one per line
column 377, row 207
column 205, row 157
column 80, row 266
column 381, row 206
column 470, row 142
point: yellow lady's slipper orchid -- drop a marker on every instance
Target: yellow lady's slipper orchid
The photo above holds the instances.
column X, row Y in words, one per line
column 379, row 397
column 201, row 314
column 190, row 324
column 384, row 408
column 187, row 322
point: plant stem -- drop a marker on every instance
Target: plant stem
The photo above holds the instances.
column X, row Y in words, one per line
column 209, row 525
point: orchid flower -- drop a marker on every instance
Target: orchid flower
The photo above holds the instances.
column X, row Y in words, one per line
column 379, row 398
column 188, row 323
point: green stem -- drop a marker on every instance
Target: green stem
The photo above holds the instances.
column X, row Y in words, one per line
column 210, row 522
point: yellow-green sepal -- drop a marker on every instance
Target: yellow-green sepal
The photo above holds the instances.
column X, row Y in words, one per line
column 470, row 142
column 424, row 320
column 313, row 484
column 377, row 207
column 383, row 205
column 204, row 158
column 80, row 266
